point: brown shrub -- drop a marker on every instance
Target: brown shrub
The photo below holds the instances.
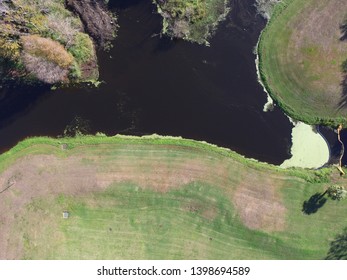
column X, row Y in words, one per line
column 44, row 70
column 47, row 50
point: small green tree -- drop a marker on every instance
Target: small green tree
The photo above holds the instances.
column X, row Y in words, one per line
column 336, row 192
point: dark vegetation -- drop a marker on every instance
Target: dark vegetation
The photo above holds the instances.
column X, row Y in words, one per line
column 338, row 247
column 98, row 22
column 77, row 127
column 343, row 29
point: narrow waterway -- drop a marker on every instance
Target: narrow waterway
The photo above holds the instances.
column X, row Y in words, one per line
column 169, row 87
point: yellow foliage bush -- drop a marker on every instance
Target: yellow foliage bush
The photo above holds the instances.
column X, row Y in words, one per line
column 47, row 49
column 9, row 48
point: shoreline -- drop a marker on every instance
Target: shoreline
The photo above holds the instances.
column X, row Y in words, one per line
column 270, row 104
column 298, row 155
column 86, row 176
column 35, row 145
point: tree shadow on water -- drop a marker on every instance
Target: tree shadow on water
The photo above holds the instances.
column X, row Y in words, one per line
column 122, row 4
column 315, row 202
column 338, row 247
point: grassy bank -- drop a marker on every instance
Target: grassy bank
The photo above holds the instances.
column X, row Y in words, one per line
column 158, row 198
column 301, row 53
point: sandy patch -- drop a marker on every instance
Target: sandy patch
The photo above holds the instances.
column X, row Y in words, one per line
column 259, row 204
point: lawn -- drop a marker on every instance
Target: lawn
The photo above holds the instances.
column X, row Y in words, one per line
column 158, row 198
column 301, row 54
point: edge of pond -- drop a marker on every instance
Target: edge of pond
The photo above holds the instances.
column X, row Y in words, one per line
column 62, row 145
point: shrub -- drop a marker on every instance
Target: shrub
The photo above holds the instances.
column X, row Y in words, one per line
column 82, row 48
column 63, row 29
column 336, row 192
column 9, row 48
column 75, row 71
column 44, row 70
column 191, row 19
column 46, row 49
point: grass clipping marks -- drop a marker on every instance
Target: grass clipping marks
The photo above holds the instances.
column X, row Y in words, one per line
column 301, row 55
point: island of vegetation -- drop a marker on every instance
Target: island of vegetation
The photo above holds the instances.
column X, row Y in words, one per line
column 192, row 20
column 96, row 197
column 54, row 41
column 42, row 40
column 302, row 55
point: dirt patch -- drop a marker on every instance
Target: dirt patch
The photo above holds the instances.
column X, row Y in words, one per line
column 206, row 211
column 259, row 204
column 94, row 168
column 98, row 21
column 43, row 176
column 316, row 46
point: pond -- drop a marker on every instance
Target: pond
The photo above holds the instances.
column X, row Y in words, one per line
column 152, row 84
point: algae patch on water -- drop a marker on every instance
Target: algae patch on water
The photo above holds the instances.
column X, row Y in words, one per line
column 309, row 149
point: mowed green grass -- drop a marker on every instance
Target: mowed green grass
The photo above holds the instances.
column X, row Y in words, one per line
column 196, row 220
column 301, row 55
column 126, row 222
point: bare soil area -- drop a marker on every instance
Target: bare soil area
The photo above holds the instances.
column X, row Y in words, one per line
column 263, row 209
column 160, row 169
column 316, row 44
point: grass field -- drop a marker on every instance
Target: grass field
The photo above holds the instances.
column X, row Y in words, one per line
column 301, row 53
column 158, row 198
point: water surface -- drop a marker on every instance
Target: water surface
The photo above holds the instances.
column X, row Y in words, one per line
column 157, row 85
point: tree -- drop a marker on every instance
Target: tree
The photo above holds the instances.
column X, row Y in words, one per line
column 336, row 192
column 338, row 247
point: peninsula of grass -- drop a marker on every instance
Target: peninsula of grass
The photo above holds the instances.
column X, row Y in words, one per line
column 159, row 198
column 301, row 55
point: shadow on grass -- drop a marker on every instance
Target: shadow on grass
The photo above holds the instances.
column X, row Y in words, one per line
column 343, row 28
column 315, row 202
column 343, row 101
column 338, row 247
